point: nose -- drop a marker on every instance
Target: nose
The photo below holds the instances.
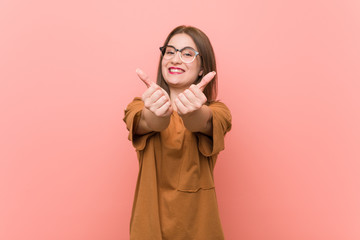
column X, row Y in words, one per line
column 176, row 58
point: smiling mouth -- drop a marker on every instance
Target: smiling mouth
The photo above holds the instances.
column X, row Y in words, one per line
column 174, row 70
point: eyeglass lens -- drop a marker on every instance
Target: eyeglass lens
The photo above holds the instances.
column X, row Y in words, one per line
column 187, row 55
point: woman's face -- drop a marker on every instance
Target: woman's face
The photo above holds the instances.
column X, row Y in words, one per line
column 176, row 73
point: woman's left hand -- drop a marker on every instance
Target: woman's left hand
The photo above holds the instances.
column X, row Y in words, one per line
column 193, row 98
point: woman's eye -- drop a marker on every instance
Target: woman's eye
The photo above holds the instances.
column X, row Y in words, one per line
column 169, row 52
column 188, row 54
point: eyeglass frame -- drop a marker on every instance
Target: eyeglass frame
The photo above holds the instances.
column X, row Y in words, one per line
column 179, row 50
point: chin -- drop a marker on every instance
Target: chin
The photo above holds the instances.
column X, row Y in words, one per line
column 173, row 79
column 172, row 83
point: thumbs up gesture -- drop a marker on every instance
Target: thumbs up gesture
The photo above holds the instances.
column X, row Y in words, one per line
column 155, row 98
column 193, row 98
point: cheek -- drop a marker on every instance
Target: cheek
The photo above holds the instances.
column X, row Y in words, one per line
column 195, row 69
column 164, row 70
column 163, row 66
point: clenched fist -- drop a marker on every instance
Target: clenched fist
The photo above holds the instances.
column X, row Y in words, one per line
column 193, row 98
column 155, row 98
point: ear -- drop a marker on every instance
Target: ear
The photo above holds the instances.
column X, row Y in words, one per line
column 201, row 72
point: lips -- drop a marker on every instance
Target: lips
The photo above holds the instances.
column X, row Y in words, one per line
column 175, row 70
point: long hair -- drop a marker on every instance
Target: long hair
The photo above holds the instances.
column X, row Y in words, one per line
column 208, row 63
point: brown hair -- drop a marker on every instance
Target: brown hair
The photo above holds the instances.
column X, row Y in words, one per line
column 207, row 55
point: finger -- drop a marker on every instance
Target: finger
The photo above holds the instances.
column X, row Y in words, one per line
column 184, row 100
column 181, row 109
column 205, row 80
column 163, row 90
column 160, row 102
column 190, row 95
column 163, row 110
column 150, row 91
column 149, row 102
column 144, row 77
column 198, row 93
column 156, row 95
column 195, row 102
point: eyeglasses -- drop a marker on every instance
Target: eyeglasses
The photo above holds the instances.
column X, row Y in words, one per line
column 187, row 54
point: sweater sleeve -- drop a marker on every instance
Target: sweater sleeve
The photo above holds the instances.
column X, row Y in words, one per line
column 132, row 119
column 221, row 122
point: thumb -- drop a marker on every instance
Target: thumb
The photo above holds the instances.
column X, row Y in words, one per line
column 144, row 77
column 205, row 80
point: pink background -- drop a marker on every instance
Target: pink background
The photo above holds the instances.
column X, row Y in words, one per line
column 288, row 70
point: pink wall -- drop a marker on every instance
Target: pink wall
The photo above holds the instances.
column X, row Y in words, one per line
column 288, row 70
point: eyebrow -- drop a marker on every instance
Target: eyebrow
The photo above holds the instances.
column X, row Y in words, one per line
column 181, row 48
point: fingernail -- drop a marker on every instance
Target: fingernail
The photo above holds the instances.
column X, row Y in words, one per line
column 138, row 70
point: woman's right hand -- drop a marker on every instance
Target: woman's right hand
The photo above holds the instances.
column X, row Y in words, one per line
column 155, row 98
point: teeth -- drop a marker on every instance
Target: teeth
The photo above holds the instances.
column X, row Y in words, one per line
column 175, row 70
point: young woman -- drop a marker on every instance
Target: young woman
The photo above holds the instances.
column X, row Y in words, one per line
column 178, row 129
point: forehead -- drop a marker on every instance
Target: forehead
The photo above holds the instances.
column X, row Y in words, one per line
column 182, row 40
